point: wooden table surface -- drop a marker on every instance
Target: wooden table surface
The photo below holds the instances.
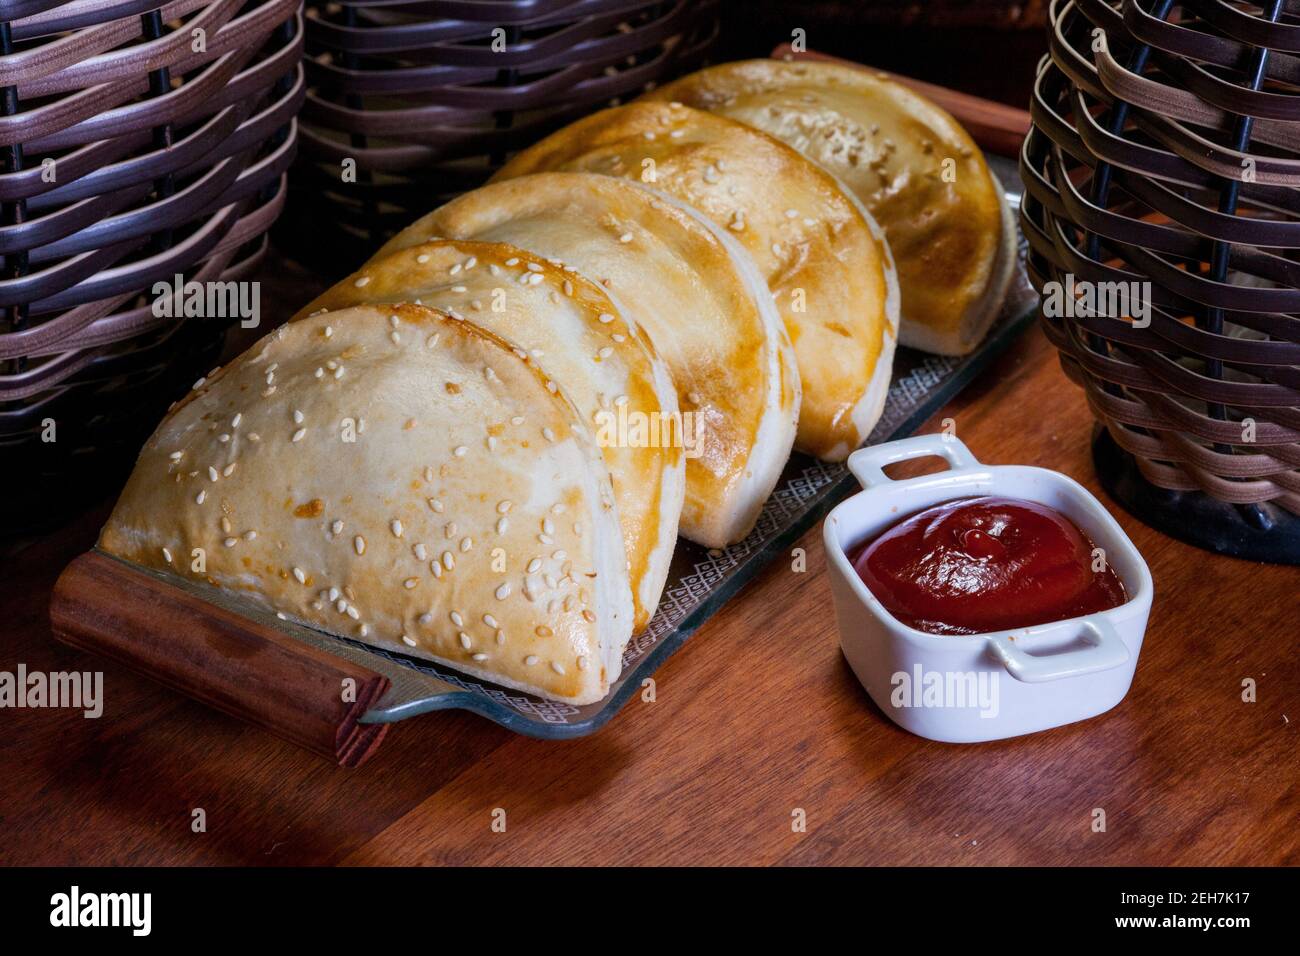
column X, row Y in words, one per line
column 757, row 716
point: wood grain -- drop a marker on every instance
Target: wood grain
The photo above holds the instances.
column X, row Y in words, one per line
column 237, row 665
column 756, row 716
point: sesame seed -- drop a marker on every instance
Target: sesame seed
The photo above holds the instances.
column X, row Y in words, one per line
column 337, row 526
column 449, row 530
column 533, row 267
column 457, row 619
column 223, row 438
column 534, row 565
column 606, row 318
column 501, row 637
column 298, row 435
column 410, row 583
column 176, row 455
column 435, row 505
column 466, row 543
column 460, row 451
column 407, row 641
column 396, row 527
column 297, row 417
column 426, row 618
column 338, row 372
column 465, row 641
column 422, row 258
column 319, row 373
column 167, row 555
column 479, row 656
column 556, row 666
column 250, row 535
column 548, row 526
column 471, row 262
column 228, row 470
column 583, row 662
column 329, row 330
column 503, row 506
column 420, row 552
column 341, row 606
column 502, row 524
column 503, row 591
column 281, row 615
column 512, row 261
column 360, row 544
column 198, row 499
column 299, row 576
column 363, row 281
column 212, row 473
column 626, row 237
column 531, row 659
column 588, row 616
column 397, row 339
column 448, row 560
column 489, row 620
column 332, row 594
column 352, row 612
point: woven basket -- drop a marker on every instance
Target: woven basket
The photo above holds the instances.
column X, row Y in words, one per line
column 1169, row 154
column 136, row 143
column 410, row 104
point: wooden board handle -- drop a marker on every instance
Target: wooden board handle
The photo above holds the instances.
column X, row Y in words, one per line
column 239, row 666
column 997, row 127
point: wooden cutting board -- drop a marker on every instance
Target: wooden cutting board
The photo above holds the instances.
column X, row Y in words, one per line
column 257, row 669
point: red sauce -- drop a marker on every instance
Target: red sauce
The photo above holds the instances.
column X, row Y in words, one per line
column 986, row 564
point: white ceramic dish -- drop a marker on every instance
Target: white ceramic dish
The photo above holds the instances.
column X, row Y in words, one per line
column 969, row 688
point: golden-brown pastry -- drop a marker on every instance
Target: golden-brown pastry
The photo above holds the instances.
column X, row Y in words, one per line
column 811, row 241
column 569, row 326
column 698, row 296
column 400, row 477
column 911, row 164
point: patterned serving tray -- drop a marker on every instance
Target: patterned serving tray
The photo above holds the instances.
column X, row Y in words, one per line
column 700, row 581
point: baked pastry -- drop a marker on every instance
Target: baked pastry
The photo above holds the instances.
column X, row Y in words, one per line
column 697, row 295
column 567, row 324
column 912, row 165
column 400, row 477
column 813, row 244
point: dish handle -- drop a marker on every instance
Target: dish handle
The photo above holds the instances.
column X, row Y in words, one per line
column 1105, row 649
column 867, row 464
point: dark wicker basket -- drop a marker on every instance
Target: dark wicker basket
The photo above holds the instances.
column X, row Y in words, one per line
column 133, row 148
column 1170, row 154
column 418, row 98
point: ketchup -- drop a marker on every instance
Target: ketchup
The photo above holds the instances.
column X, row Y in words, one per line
column 985, row 564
